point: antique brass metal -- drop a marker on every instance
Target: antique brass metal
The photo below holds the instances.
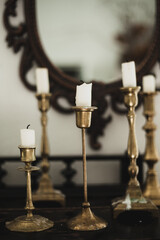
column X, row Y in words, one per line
column 29, row 222
column 86, row 220
column 83, row 116
column 134, row 199
column 152, row 188
column 46, row 191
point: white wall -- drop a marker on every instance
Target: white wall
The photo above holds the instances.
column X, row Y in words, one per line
column 19, row 108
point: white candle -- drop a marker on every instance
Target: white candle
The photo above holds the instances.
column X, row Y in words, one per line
column 129, row 74
column 149, row 83
column 42, row 80
column 83, row 95
column 27, row 137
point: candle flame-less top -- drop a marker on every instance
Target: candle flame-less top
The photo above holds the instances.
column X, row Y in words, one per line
column 42, row 80
column 27, row 137
column 149, row 83
column 84, row 95
column 129, row 74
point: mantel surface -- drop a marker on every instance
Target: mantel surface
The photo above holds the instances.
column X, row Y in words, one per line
column 145, row 230
column 60, row 231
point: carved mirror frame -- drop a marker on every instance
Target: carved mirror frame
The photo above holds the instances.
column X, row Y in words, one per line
column 25, row 37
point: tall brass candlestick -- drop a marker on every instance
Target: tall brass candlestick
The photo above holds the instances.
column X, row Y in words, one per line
column 45, row 191
column 134, row 199
column 29, row 222
column 152, row 189
column 86, row 220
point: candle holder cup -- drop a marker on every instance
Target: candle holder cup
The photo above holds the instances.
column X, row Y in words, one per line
column 134, row 199
column 29, row 222
column 86, row 220
column 46, row 191
column 151, row 157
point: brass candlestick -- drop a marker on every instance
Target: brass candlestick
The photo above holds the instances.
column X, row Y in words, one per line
column 134, row 199
column 29, row 222
column 86, row 220
column 151, row 189
column 45, row 191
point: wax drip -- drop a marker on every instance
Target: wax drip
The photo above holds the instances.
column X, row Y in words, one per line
column 28, row 126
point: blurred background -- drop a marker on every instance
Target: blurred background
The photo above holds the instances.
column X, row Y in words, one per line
column 90, row 40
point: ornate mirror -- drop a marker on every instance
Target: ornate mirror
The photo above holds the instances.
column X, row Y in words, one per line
column 134, row 36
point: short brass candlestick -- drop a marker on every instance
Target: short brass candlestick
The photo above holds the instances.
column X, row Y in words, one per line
column 45, row 191
column 134, row 199
column 29, row 222
column 86, row 220
column 151, row 189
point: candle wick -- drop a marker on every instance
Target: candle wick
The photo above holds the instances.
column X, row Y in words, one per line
column 28, row 126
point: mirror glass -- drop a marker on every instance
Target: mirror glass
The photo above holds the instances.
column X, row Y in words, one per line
column 91, row 38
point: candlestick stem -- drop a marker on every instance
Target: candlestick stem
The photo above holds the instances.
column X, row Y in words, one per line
column 84, row 165
column 45, row 145
column 132, row 147
column 29, row 204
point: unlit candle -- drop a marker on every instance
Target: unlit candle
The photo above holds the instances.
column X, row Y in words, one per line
column 149, row 83
column 27, row 137
column 129, row 74
column 42, row 80
column 84, row 95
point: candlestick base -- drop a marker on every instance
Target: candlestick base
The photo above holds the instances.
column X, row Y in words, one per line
column 86, row 220
column 134, row 201
column 46, row 192
column 135, row 206
column 24, row 223
column 151, row 189
column 55, row 196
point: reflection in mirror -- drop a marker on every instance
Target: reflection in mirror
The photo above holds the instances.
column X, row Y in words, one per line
column 89, row 39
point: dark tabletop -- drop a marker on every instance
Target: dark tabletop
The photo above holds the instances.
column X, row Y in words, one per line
column 12, row 202
column 60, row 231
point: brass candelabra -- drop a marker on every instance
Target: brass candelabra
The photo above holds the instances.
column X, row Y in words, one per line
column 133, row 199
column 151, row 189
column 86, row 220
column 46, row 191
column 29, row 222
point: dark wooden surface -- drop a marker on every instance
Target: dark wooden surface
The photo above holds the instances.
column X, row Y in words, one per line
column 12, row 201
column 60, row 231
